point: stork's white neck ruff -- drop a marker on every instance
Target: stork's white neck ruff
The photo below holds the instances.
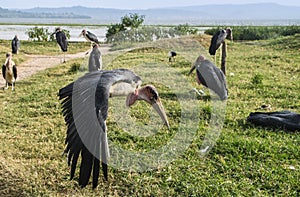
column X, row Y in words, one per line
column 123, row 89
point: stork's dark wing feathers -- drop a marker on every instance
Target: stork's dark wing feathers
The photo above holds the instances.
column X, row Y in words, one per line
column 3, row 71
column 86, row 167
column 62, row 41
column 88, row 95
column 213, row 78
column 201, row 78
column 15, row 71
column 74, row 158
column 96, row 170
column 73, row 141
column 214, row 45
column 92, row 37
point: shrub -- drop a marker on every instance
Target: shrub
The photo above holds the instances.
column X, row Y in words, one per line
column 185, row 29
column 258, row 32
column 38, row 33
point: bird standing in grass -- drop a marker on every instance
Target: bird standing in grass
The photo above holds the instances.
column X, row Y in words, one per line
column 61, row 40
column 9, row 71
column 172, row 55
column 85, row 108
column 217, row 40
column 95, row 59
column 15, row 45
column 210, row 76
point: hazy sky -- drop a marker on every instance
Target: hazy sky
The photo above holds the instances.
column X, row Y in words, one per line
column 129, row 4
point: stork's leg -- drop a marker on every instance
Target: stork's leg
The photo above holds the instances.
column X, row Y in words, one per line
column 199, row 92
column 220, row 54
column 215, row 56
column 64, row 58
column 12, row 86
column 88, row 52
column 6, row 86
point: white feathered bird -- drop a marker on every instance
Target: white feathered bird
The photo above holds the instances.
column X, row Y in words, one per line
column 9, row 71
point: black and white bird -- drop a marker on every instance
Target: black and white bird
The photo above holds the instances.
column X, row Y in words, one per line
column 89, row 36
column 85, row 108
column 217, row 40
column 172, row 55
column 95, row 59
column 61, row 40
column 9, row 71
column 210, row 76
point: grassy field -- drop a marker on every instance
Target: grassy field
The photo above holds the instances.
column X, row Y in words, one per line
column 246, row 161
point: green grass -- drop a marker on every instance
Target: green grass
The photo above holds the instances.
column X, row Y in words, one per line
column 246, row 161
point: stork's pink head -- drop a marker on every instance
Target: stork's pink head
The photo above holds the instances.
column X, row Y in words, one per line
column 149, row 94
column 201, row 58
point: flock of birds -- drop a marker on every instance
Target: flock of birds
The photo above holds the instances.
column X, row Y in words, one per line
column 104, row 84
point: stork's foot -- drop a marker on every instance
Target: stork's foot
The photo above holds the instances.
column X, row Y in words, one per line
column 199, row 92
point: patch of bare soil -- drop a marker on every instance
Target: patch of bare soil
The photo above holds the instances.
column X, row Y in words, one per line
column 37, row 63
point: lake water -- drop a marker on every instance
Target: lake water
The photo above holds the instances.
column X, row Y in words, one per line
column 7, row 32
column 15, row 27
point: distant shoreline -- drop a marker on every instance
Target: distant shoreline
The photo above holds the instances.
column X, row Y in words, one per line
column 158, row 22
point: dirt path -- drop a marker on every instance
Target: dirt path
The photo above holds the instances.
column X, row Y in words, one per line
column 37, row 63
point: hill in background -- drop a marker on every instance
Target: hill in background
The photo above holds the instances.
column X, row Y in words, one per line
column 190, row 14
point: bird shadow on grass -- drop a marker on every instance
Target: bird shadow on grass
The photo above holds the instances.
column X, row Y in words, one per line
column 20, row 83
column 57, row 75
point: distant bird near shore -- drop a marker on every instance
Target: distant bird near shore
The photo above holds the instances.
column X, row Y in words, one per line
column 9, row 71
column 61, row 40
column 15, row 45
column 89, row 36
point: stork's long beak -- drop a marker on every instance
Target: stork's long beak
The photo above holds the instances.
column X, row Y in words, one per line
column 159, row 108
column 150, row 95
column 192, row 69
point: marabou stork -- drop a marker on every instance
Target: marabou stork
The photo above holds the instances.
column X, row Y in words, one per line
column 89, row 36
column 95, row 59
column 88, row 97
column 9, row 71
column 172, row 55
column 61, row 40
column 15, row 44
column 218, row 39
column 210, row 76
